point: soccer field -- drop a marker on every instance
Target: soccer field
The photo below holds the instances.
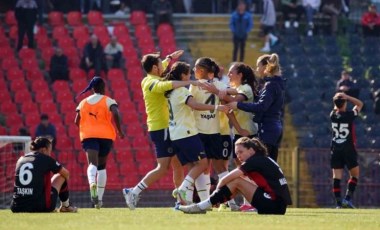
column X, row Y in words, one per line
column 167, row 218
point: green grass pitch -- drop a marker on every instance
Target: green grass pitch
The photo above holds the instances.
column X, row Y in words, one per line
column 167, row 218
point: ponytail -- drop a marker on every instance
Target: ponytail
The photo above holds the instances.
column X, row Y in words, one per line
column 40, row 142
column 271, row 63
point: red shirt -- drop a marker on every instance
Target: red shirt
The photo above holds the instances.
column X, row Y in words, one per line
column 369, row 18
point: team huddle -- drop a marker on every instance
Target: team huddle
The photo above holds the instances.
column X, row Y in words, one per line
column 189, row 123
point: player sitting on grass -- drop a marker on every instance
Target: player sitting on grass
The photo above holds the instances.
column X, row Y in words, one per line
column 267, row 189
column 34, row 190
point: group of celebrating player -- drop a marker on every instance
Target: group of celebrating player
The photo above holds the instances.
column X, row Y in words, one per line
column 189, row 126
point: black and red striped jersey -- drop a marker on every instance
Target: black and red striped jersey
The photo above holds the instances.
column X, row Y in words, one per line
column 342, row 127
column 33, row 178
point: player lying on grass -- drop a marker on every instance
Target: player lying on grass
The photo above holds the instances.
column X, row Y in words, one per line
column 34, row 188
column 267, row 189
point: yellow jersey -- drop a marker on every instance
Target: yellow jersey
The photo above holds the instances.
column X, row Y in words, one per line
column 181, row 117
column 245, row 118
column 156, row 105
column 207, row 121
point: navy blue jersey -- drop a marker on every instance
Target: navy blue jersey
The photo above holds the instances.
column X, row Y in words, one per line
column 32, row 180
column 342, row 123
column 267, row 174
column 268, row 110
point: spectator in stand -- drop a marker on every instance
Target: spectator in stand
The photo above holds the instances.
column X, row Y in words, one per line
column 347, row 85
column 46, row 129
column 241, row 24
column 59, row 68
column 26, row 15
column 371, row 22
column 162, row 11
column 123, row 10
column 93, row 56
column 268, row 22
column 311, row 8
column 333, row 9
column 291, row 7
column 113, row 52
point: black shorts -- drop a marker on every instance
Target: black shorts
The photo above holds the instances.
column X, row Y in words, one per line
column 39, row 205
column 265, row 205
column 102, row 145
column 344, row 156
column 266, row 29
column 226, row 146
column 162, row 143
column 189, row 149
column 212, row 145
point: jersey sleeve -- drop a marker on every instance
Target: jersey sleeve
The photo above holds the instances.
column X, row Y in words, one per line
column 246, row 91
column 249, row 165
column 54, row 165
column 157, row 86
column 110, row 102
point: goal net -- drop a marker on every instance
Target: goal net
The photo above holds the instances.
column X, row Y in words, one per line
column 11, row 148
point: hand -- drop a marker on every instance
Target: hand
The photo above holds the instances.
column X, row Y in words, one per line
column 223, row 108
column 209, row 87
column 232, row 105
column 176, row 54
column 244, row 133
column 341, row 94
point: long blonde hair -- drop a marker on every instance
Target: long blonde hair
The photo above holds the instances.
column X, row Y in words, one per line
column 271, row 63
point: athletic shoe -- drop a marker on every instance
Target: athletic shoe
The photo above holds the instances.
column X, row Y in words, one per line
column 234, row 208
column 181, row 196
column 265, row 50
column 68, row 209
column 247, row 208
column 273, row 41
column 130, row 198
column 295, row 24
column 94, row 195
column 347, row 204
column 191, row 209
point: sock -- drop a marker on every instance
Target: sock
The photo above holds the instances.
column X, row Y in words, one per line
column 351, row 187
column 188, row 186
column 203, row 185
column 222, row 195
column 139, row 188
column 205, row 204
column 101, row 183
column 64, row 194
column 336, row 191
column 91, row 173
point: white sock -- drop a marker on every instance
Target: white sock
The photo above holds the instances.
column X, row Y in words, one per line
column 91, row 173
column 139, row 188
column 101, row 183
column 205, row 204
column 188, row 186
column 203, row 184
column 223, row 174
column 65, row 203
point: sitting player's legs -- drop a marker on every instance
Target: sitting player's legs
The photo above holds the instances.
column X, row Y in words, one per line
column 60, row 189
